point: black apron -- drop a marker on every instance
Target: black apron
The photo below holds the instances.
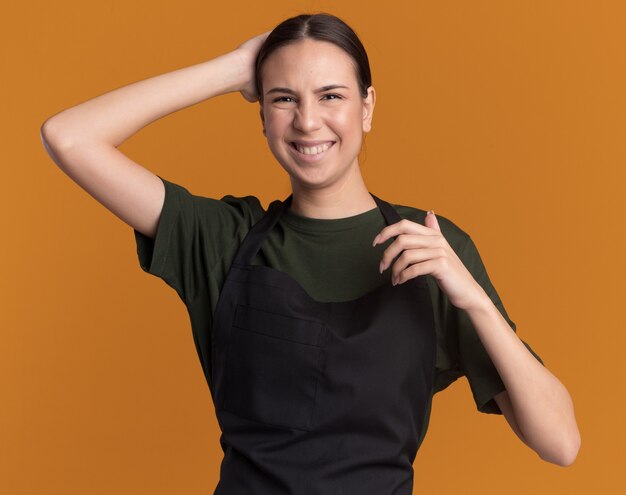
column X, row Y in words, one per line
column 318, row 398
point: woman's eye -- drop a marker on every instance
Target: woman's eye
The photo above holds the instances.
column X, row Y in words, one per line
column 284, row 98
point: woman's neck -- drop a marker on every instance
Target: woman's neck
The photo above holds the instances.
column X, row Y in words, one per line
column 339, row 201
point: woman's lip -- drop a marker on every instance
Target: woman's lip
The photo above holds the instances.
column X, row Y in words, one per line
column 310, row 158
column 311, row 143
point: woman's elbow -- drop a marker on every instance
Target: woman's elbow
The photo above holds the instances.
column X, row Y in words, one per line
column 572, row 452
column 568, row 453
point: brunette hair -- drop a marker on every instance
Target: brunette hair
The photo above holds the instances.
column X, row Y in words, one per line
column 321, row 27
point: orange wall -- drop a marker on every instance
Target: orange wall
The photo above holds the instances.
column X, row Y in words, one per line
column 506, row 117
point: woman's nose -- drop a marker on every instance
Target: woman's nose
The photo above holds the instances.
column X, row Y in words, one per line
column 307, row 117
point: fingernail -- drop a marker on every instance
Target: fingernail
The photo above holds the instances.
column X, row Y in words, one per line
column 380, row 267
column 375, row 240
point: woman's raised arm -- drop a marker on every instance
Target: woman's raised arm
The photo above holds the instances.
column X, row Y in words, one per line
column 83, row 139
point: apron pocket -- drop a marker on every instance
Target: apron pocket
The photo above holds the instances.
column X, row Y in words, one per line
column 272, row 367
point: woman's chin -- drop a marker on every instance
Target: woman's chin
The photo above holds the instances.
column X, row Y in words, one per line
column 309, row 181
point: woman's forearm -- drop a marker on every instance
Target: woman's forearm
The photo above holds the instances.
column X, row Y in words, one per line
column 542, row 405
column 118, row 114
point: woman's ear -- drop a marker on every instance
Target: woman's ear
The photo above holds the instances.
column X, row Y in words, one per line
column 368, row 108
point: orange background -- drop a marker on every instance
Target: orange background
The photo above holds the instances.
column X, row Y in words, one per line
column 506, row 117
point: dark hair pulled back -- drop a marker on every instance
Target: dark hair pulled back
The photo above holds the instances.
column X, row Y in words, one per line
column 321, row 27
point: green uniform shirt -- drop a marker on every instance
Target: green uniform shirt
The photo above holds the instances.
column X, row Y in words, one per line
column 333, row 260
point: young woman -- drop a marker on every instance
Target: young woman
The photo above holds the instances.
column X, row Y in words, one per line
column 326, row 323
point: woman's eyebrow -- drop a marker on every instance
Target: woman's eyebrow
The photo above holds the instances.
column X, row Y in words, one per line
column 319, row 90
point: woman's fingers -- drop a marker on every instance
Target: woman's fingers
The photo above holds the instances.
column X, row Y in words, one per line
column 404, row 226
column 405, row 242
column 402, row 243
column 422, row 268
column 414, row 262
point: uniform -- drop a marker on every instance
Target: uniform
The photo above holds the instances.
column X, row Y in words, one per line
column 305, row 288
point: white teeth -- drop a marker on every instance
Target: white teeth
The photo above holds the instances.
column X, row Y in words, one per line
column 314, row 150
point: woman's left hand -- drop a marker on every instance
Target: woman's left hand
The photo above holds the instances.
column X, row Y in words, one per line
column 424, row 250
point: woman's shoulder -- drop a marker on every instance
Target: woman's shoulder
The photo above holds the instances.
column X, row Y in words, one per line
column 236, row 208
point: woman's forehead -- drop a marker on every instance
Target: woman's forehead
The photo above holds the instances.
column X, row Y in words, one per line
column 308, row 60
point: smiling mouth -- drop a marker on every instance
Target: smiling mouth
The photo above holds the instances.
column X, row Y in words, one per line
column 312, row 150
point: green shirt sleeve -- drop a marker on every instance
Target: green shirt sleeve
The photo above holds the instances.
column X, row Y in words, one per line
column 481, row 373
column 192, row 234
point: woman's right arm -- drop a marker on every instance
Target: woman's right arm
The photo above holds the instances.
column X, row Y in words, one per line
column 83, row 139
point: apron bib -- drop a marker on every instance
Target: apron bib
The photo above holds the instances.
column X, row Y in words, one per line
column 318, row 398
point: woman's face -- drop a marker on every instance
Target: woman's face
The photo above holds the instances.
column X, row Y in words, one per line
column 294, row 109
